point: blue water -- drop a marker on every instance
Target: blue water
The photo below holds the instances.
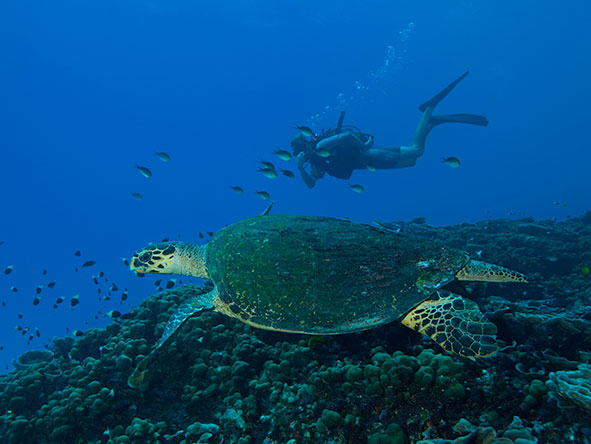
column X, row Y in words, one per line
column 90, row 89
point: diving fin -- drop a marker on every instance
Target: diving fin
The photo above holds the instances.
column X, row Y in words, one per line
column 432, row 103
column 472, row 119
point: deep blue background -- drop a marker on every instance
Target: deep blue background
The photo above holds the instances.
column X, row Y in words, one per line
column 90, row 89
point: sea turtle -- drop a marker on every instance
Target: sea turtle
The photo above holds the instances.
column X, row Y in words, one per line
column 324, row 276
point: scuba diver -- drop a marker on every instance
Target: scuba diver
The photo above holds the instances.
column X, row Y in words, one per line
column 339, row 151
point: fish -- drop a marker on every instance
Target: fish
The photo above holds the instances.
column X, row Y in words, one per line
column 77, row 253
column 20, row 315
column 124, row 296
column 157, row 283
column 323, row 152
column 125, row 262
column 8, row 269
column 114, row 314
column 137, row 196
column 209, row 233
column 114, row 287
column 200, row 234
column 305, row 131
column 263, row 194
column 357, row 188
column 238, row 190
column 288, row 173
column 452, row 162
column 371, row 168
column 88, row 264
column 59, row 300
column 77, row 333
column 164, row 157
column 171, row 283
column 36, row 300
column 51, row 284
column 44, row 272
column 13, row 289
column 38, row 289
column 267, row 164
column 75, row 300
column 282, row 154
column 101, row 274
column 269, row 173
column 145, row 171
column 95, row 280
column 551, row 258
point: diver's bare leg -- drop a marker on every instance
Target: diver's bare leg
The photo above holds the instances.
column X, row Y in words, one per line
column 380, row 157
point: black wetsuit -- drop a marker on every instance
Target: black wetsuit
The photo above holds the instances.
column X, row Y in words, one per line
column 340, row 165
column 344, row 159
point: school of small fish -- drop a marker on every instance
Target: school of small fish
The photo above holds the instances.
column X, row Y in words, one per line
column 106, row 290
column 147, row 173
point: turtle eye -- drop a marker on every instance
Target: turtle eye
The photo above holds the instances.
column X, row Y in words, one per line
column 145, row 256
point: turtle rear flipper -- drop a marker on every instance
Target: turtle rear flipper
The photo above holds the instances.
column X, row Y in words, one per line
column 187, row 309
column 456, row 324
column 482, row 271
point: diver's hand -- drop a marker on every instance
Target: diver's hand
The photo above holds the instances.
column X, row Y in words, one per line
column 301, row 159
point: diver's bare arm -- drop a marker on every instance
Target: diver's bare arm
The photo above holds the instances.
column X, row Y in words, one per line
column 309, row 179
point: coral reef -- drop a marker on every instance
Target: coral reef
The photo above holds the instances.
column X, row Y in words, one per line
column 573, row 386
column 221, row 381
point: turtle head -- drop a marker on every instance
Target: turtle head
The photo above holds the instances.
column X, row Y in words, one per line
column 435, row 271
column 481, row 271
column 170, row 258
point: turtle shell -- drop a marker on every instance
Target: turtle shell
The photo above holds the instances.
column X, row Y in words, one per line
column 320, row 275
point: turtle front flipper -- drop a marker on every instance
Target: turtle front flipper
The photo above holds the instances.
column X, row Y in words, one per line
column 456, row 324
column 482, row 271
column 187, row 309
